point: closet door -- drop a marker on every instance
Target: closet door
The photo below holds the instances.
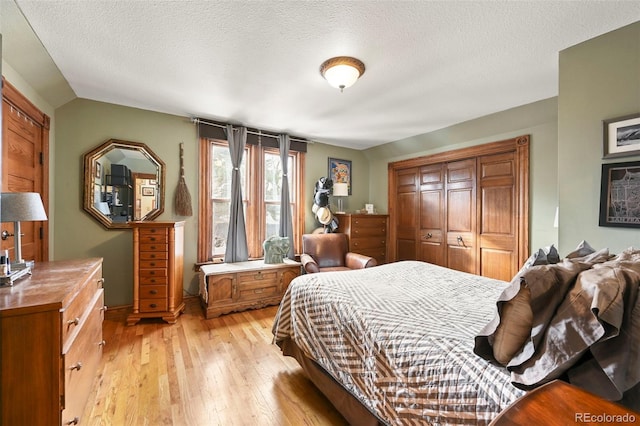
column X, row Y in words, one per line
column 432, row 214
column 406, row 207
column 498, row 212
column 461, row 215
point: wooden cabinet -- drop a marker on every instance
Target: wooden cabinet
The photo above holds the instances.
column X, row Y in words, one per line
column 367, row 234
column 50, row 342
column 230, row 287
column 158, row 269
column 465, row 209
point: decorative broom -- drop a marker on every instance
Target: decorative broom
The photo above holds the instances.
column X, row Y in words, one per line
column 183, row 198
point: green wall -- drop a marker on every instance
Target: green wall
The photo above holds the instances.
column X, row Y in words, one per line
column 599, row 80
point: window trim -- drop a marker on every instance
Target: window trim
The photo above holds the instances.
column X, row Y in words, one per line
column 254, row 205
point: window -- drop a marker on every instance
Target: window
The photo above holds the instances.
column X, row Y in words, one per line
column 261, row 180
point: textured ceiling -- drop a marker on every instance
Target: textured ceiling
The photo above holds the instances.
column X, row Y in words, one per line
column 429, row 64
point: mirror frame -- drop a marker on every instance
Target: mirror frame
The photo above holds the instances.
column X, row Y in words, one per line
column 89, row 160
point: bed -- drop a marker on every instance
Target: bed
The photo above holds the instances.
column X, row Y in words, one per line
column 402, row 343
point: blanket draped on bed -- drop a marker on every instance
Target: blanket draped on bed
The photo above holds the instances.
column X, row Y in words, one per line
column 399, row 337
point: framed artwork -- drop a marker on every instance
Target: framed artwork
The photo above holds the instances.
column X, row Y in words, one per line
column 340, row 171
column 147, row 191
column 98, row 171
column 620, row 195
column 621, row 136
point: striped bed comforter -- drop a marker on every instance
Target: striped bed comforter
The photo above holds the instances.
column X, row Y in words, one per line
column 399, row 337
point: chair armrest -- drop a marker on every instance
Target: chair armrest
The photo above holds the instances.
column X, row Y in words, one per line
column 359, row 261
column 309, row 264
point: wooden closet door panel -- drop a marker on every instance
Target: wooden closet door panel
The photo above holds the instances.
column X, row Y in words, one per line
column 498, row 212
column 461, row 216
column 407, row 214
column 432, row 213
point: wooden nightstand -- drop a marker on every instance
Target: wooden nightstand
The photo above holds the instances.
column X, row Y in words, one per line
column 559, row 403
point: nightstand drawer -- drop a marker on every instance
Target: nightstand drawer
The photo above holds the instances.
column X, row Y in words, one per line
column 153, row 305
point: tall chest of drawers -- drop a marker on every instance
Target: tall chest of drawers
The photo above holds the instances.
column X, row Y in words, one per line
column 367, row 234
column 158, row 268
column 50, row 342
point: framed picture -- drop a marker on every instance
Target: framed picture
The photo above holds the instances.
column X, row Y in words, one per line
column 340, row 171
column 621, row 136
column 620, row 195
column 98, row 171
column 147, row 191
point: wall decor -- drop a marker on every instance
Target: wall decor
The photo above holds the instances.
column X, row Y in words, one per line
column 147, row 191
column 340, row 171
column 620, row 195
column 621, row 136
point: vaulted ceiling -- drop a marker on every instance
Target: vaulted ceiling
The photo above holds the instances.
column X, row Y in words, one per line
column 429, row 64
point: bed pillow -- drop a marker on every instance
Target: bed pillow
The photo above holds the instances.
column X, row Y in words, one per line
column 595, row 315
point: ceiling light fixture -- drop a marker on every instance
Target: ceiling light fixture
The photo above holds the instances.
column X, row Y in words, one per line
column 342, row 71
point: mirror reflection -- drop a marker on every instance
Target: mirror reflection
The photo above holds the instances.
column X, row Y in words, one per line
column 124, row 182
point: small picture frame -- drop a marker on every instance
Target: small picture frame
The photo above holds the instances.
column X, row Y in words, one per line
column 147, row 191
column 98, row 171
column 621, row 136
column 340, row 171
column 619, row 194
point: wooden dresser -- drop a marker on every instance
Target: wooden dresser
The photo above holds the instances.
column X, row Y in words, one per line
column 367, row 234
column 50, row 342
column 230, row 287
column 158, row 269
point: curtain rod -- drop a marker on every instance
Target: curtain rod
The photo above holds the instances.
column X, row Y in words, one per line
column 196, row 120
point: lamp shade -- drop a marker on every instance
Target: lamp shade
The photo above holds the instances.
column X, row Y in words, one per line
column 340, row 189
column 342, row 71
column 22, row 207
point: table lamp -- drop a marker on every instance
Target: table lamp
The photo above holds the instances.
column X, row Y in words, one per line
column 340, row 189
column 19, row 207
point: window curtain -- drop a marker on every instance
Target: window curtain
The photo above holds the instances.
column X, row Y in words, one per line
column 286, row 218
column 237, row 250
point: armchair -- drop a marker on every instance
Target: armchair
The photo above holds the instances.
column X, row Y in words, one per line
column 330, row 252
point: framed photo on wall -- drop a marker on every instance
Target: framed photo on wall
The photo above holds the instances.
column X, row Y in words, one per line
column 620, row 195
column 147, row 191
column 340, row 171
column 621, row 136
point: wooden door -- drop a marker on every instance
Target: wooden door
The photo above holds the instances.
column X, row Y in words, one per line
column 406, row 209
column 432, row 214
column 461, row 215
column 498, row 211
column 25, row 135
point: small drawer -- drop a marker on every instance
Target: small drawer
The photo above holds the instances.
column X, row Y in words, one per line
column 154, row 247
column 257, row 276
column 153, row 291
column 248, row 292
column 366, row 243
column 152, row 280
column 159, row 272
column 145, row 232
column 370, row 231
column 369, row 222
column 153, row 305
column 72, row 314
column 147, row 264
column 153, row 255
column 147, row 237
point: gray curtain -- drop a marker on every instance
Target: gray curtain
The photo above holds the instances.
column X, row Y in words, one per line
column 286, row 219
column 237, row 250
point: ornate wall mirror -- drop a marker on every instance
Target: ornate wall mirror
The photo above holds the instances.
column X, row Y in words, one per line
column 123, row 182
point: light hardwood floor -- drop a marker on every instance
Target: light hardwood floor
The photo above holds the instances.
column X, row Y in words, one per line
column 222, row 371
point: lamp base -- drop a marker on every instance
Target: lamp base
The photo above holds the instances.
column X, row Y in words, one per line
column 8, row 280
column 15, row 266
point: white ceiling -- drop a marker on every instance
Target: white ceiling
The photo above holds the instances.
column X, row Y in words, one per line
column 429, row 64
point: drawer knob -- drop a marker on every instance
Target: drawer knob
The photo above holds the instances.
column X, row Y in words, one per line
column 153, row 247
column 78, row 366
column 258, row 290
column 153, row 264
column 103, row 343
column 73, row 421
column 153, row 291
column 153, row 305
column 104, row 308
column 74, row 321
column 101, row 282
column 152, row 280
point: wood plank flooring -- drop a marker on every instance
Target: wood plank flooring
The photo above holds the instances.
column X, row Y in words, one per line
column 222, row 371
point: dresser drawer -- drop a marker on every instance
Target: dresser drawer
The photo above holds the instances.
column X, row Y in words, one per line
column 358, row 244
column 368, row 222
column 153, row 236
column 72, row 314
column 153, row 255
column 257, row 290
column 158, row 272
column 155, row 247
column 81, row 361
column 369, row 231
column 153, row 305
column 153, row 280
column 150, row 264
column 153, row 291
column 260, row 277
